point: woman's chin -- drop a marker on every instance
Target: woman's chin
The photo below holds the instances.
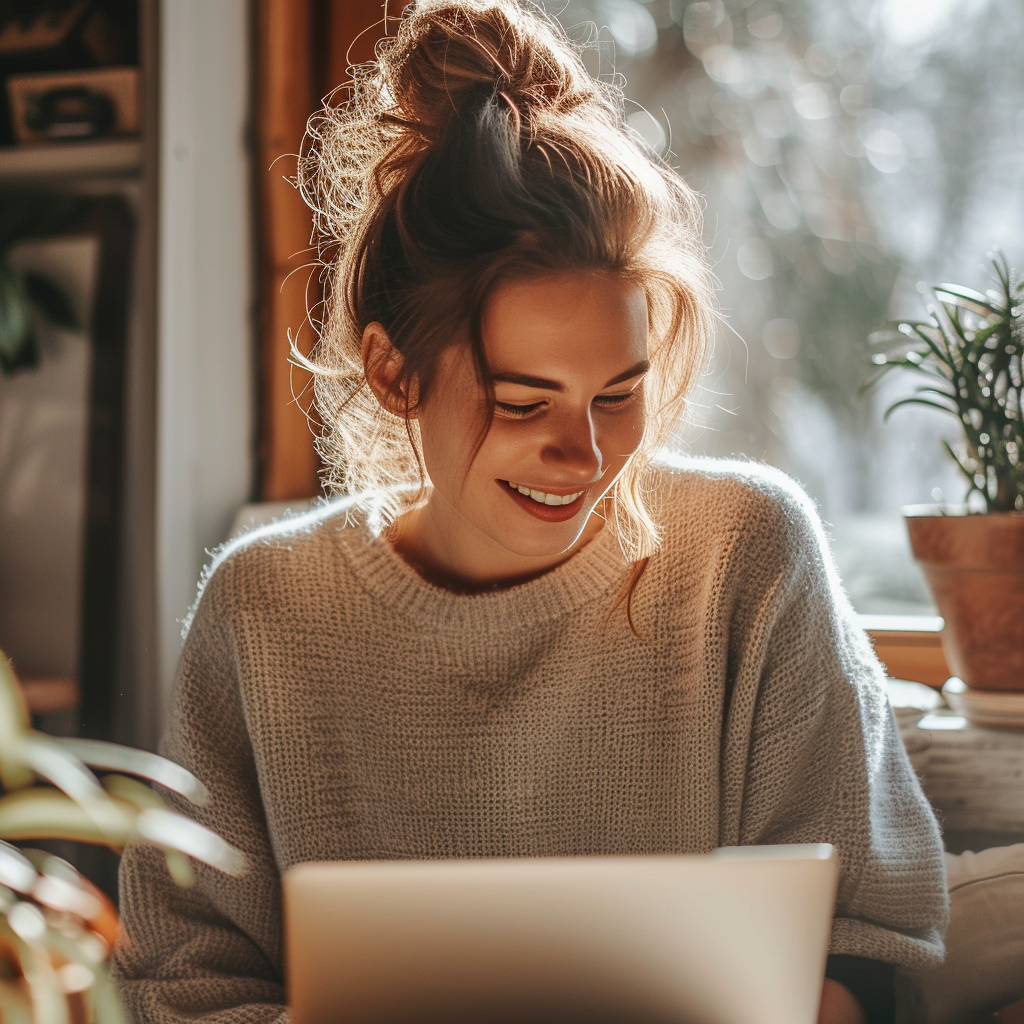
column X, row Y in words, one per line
column 543, row 540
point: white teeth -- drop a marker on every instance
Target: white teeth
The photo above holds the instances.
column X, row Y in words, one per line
column 543, row 498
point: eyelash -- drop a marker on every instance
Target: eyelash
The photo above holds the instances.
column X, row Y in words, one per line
column 520, row 412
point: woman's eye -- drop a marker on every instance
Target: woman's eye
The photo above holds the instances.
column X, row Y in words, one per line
column 512, row 411
column 517, row 411
column 616, row 401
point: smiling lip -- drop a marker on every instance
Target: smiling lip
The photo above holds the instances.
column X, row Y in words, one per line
column 547, row 513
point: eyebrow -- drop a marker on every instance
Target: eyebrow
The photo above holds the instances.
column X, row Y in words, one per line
column 526, row 380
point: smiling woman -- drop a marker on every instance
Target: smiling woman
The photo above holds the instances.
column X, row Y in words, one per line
column 438, row 664
column 478, row 155
column 567, row 356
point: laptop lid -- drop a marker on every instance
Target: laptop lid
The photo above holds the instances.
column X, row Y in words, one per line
column 732, row 937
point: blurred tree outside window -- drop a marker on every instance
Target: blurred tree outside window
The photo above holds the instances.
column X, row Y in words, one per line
column 846, row 150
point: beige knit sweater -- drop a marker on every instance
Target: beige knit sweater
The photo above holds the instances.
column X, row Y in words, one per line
column 340, row 708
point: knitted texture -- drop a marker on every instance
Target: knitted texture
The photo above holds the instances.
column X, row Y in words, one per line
column 340, row 708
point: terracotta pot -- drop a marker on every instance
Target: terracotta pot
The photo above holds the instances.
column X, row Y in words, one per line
column 975, row 568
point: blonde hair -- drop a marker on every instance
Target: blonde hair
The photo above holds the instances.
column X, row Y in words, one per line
column 474, row 150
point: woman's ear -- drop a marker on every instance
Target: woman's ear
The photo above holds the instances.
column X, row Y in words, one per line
column 382, row 367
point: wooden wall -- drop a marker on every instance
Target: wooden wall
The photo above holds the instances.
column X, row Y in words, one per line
column 303, row 48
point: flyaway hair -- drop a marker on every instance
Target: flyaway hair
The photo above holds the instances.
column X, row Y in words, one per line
column 477, row 149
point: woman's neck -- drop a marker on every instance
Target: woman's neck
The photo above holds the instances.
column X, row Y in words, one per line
column 460, row 558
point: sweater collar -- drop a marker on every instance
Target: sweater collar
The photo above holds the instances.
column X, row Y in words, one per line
column 592, row 574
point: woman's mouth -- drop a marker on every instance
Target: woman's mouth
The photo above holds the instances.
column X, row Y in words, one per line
column 548, row 506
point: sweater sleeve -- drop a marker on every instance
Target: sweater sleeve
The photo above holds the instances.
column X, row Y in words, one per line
column 812, row 752
column 211, row 952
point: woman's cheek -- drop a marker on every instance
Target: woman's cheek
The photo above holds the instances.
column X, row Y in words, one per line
column 508, row 443
column 630, row 431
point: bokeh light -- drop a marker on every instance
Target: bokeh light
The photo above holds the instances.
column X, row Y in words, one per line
column 846, row 150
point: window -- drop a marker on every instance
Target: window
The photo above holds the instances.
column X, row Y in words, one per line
column 847, row 150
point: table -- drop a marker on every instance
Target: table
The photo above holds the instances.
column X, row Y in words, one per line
column 974, row 778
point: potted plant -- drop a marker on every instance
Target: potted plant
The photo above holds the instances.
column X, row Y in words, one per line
column 969, row 354
column 56, row 928
column 25, row 215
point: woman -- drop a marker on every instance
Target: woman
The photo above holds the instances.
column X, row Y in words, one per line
column 518, row 633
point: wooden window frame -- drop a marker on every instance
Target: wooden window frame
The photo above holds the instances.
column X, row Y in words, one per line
column 303, row 51
column 910, row 646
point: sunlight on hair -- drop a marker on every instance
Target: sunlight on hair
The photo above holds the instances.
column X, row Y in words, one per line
column 475, row 150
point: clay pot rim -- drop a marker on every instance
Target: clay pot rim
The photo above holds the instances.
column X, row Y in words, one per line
column 942, row 511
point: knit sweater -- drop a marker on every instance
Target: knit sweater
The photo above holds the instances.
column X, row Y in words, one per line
column 339, row 707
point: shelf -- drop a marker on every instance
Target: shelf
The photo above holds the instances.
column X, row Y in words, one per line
column 109, row 158
column 45, row 696
column 901, row 623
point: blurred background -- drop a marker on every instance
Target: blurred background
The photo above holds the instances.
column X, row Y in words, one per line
column 846, row 150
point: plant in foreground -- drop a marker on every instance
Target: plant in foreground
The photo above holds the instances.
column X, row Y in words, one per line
column 970, row 352
column 56, row 928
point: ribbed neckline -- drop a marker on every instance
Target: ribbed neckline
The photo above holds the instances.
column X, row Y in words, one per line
column 390, row 580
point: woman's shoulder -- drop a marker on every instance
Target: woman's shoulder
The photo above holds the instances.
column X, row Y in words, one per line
column 287, row 559
column 735, row 500
column 746, row 530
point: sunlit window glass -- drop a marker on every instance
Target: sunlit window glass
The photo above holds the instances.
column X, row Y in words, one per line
column 847, row 150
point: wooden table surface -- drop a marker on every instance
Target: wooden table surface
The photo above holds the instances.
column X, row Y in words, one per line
column 974, row 777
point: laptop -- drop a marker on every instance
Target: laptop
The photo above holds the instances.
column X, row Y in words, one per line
column 732, row 937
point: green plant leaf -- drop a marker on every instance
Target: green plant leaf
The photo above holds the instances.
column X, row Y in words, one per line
column 112, row 757
column 975, row 343
column 179, row 867
column 959, row 462
column 165, row 828
column 942, row 354
column 17, row 872
column 66, row 930
column 50, row 761
column 17, row 342
column 14, row 726
column 968, row 297
column 48, row 1003
column 51, row 300
column 917, row 401
column 47, row 814
column 106, row 1003
column 37, row 813
column 919, row 366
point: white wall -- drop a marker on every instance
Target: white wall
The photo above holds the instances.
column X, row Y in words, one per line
column 205, row 321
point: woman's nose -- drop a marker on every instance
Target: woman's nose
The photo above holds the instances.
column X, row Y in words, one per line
column 572, row 448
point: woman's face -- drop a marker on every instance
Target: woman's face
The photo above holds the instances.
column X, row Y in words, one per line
column 568, row 355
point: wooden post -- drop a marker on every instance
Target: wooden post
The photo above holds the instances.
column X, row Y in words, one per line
column 351, row 31
column 285, row 97
column 303, row 49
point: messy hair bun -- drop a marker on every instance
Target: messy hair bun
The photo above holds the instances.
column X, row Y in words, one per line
column 476, row 149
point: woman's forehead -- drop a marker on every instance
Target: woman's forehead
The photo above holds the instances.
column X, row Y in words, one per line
column 570, row 322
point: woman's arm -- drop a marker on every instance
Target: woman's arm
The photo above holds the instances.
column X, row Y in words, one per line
column 812, row 753
column 839, row 1005
column 827, row 765
column 871, row 983
column 211, row 952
